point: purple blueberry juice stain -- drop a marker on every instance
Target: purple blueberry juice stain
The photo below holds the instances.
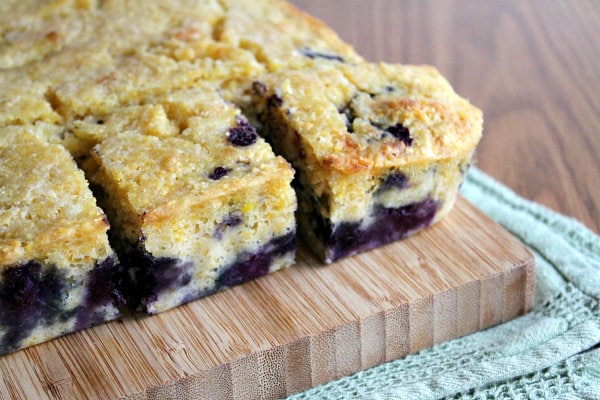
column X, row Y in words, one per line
column 396, row 180
column 218, row 173
column 401, row 133
column 29, row 296
column 105, row 287
column 390, row 224
column 243, row 134
column 250, row 266
column 230, row 221
column 243, row 270
column 313, row 54
column 149, row 276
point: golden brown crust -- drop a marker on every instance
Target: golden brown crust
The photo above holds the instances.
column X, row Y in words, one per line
column 378, row 98
column 47, row 211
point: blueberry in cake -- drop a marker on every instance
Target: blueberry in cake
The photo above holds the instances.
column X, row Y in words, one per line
column 380, row 150
column 58, row 273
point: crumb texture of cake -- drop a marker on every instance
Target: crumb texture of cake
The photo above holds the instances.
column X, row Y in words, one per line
column 58, row 273
column 380, row 150
column 196, row 213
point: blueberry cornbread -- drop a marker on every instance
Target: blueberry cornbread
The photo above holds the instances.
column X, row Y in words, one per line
column 380, row 150
column 58, row 273
column 157, row 102
column 196, row 213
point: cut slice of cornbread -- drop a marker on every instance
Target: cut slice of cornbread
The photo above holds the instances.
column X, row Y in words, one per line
column 380, row 150
column 58, row 273
column 192, row 216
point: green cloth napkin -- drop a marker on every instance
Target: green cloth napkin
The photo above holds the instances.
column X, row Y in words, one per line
column 552, row 352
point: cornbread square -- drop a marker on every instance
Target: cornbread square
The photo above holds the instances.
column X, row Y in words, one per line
column 380, row 150
column 58, row 273
column 196, row 213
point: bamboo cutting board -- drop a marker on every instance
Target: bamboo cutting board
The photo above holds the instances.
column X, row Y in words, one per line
column 296, row 328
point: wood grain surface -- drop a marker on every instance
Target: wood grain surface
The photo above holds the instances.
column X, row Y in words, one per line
column 533, row 67
column 297, row 328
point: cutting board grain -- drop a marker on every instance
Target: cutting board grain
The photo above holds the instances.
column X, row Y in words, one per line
column 297, row 328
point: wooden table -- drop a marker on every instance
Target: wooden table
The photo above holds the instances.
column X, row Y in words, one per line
column 533, row 67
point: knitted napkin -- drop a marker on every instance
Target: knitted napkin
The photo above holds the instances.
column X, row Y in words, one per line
column 552, row 352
